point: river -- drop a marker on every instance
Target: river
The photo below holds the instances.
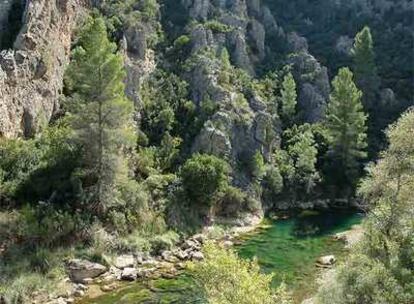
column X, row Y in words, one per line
column 286, row 247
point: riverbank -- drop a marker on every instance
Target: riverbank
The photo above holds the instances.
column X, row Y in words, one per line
column 288, row 247
column 87, row 280
column 278, row 247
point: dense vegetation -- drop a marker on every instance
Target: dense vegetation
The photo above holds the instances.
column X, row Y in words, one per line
column 111, row 176
column 380, row 268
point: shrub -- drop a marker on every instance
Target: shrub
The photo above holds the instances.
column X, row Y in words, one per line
column 181, row 41
column 40, row 168
column 21, row 288
column 218, row 27
column 232, row 202
column 165, row 241
column 272, row 183
column 203, row 177
column 257, row 165
column 227, row 279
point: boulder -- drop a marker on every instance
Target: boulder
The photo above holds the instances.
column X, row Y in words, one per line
column 190, row 244
column 79, row 270
column 228, row 244
column 124, row 261
column 181, row 255
column 108, row 288
column 129, row 274
column 168, row 256
column 197, row 256
column 201, row 238
column 326, row 261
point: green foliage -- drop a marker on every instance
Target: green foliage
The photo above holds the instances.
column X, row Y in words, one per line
column 227, row 279
column 380, row 269
column 226, row 68
column 288, row 99
column 217, row 26
column 346, row 129
column 257, row 165
column 39, row 168
column 123, row 15
column 204, row 177
column 21, row 288
column 164, row 241
column 297, row 163
column 365, row 69
column 181, row 41
column 272, row 184
column 165, row 107
column 232, row 202
column 100, row 115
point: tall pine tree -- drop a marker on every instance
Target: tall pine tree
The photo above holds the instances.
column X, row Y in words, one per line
column 346, row 128
column 100, row 114
column 364, row 67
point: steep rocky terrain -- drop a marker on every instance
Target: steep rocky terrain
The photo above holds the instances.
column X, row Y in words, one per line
column 257, row 34
column 31, row 73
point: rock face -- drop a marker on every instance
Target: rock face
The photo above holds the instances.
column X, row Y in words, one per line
column 31, row 74
column 243, row 124
column 5, row 7
column 246, row 27
column 79, row 270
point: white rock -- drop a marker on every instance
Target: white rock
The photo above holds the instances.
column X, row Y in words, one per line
column 129, row 274
column 79, row 293
column 124, row 261
column 327, row 260
column 197, row 256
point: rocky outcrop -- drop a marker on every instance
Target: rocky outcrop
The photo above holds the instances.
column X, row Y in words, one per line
column 312, row 79
column 5, row 7
column 139, row 58
column 31, row 74
column 242, row 26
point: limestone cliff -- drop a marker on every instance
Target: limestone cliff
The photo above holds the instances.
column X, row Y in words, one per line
column 31, row 74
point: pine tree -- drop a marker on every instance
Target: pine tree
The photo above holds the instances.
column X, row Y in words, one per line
column 100, row 113
column 364, row 66
column 346, row 128
column 289, row 96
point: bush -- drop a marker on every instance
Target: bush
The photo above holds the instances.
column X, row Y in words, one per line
column 257, row 165
column 218, row 27
column 227, row 279
column 181, row 41
column 21, row 288
column 232, row 202
column 163, row 242
column 38, row 169
column 203, row 177
column 272, row 183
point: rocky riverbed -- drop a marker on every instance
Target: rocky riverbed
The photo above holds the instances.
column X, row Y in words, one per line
column 87, row 279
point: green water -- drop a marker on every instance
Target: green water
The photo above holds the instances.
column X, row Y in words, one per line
column 288, row 248
column 161, row 291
